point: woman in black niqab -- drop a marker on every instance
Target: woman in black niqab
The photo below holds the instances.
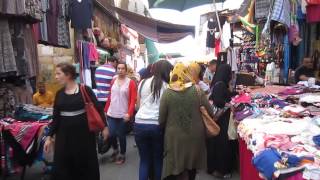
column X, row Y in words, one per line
column 220, row 153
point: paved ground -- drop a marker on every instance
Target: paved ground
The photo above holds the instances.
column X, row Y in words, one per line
column 110, row 171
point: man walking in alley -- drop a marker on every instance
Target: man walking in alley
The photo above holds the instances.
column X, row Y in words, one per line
column 103, row 76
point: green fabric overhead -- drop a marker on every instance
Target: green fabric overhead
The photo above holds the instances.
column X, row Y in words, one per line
column 179, row 5
column 153, row 53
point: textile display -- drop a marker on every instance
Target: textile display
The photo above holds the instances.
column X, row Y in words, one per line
column 210, row 42
column 29, row 9
column 54, row 28
column 20, row 139
column 81, row 14
column 281, row 12
column 86, row 55
column 283, row 122
column 262, row 9
column 313, row 15
column 18, row 49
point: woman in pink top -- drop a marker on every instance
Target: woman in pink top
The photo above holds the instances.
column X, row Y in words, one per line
column 120, row 108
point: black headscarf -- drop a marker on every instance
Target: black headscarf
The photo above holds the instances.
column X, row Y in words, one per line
column 223, row 74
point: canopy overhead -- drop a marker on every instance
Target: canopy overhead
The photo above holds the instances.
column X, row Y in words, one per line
column 179, row 5
column 155, row 30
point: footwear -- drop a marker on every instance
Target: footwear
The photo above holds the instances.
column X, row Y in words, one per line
column 121, row 160
column 218, row 175
column 113, row 157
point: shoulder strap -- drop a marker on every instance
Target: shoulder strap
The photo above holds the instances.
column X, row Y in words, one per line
column 85, row 95
column 141, row 86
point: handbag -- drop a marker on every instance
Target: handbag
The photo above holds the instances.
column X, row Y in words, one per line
column 212, row 128
column 95, row 121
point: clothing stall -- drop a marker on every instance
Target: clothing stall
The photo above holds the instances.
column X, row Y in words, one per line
column 24, row 24
column 278, row 130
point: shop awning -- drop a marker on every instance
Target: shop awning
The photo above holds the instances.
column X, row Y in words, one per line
column 155, row 30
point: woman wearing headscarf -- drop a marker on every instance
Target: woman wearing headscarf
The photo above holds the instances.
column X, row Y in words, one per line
column 184, row 138
column 219, row 148
column 194, row 69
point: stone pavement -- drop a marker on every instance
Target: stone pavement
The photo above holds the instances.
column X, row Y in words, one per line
column 110, row 171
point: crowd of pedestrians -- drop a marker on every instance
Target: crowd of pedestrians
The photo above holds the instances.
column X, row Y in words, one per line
column 164, row 104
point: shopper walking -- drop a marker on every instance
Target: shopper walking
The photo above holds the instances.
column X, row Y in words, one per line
column 120, row 108
column 184, row 139
column 148, row 134
column 103, row 76
column 75, row 156
column 219, row 147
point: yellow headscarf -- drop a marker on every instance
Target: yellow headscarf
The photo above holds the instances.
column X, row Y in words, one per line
column 180, row 79
column 194, row 70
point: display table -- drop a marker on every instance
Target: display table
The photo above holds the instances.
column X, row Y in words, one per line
column 277, row 140
column 247, row 170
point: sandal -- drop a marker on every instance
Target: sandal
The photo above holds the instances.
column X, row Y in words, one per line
column 113, row 157
column 121, row 160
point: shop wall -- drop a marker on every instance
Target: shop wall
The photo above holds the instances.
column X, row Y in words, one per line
column 49, row 57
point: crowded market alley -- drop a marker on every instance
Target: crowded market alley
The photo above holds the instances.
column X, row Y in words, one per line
column 159, row 89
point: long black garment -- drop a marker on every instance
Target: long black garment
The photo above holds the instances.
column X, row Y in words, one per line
column 75, row 155
column 220, row 152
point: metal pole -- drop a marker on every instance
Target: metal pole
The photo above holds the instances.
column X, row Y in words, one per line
column 217, row 15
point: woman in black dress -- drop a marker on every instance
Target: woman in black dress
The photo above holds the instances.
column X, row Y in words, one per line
column 219, row 148
column 75, row 156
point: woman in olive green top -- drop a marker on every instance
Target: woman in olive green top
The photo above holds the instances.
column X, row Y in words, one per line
column 185, row 135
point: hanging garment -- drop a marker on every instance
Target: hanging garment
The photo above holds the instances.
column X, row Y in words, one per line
column 31, row 52
column 30, row 9
column 52, row 20
column 7, row 101
column 63, row 25
column 210, row 34
column 313, row 15
column 93, row 55
column 45, row 6
column 281, row 12
column 217, row 47
column 81, row 14
column 232, row 59
column 226, row 36
column 262, row 9
column 19, row 48
column 7, row 59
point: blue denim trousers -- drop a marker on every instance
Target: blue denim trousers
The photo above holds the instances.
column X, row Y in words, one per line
column 149, row 139
column 117, row 128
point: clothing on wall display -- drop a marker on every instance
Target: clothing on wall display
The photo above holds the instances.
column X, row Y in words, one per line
column 81, row 14
column 29, row 9
column 7, row 59
column 54, row 28
column 262, row 9
column 211, row 34
column 232, row 59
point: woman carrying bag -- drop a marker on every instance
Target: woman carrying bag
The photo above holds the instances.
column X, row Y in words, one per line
column 185, row 132
column 75, row 156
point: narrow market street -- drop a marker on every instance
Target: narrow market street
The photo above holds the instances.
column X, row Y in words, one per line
column 129, row 171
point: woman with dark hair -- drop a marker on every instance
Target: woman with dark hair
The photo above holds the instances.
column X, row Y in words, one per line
column 148, row 134
column 120, row 108
column 75, row 155
column 219, row 147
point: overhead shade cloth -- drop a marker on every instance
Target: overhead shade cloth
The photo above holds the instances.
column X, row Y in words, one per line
column 155, row 30
column 179, row 5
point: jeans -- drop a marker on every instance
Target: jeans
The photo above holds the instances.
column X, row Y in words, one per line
column 149, row 139
column 117, row 128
